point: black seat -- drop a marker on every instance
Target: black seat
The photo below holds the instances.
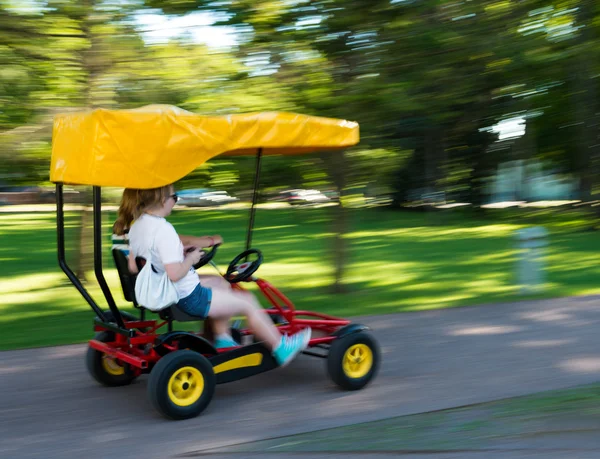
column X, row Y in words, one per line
column 174, row 313
column 128, row 285
column 127, row 279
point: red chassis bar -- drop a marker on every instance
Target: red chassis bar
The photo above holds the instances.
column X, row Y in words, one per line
column 130, row 350
column 127, row 357
column 284, row 307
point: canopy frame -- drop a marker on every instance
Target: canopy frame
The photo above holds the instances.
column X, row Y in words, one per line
column 254, row 198
column 62, row 261
column 100, row 145
column 119, row 326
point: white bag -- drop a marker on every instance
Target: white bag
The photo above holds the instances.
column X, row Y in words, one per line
column 154, row 291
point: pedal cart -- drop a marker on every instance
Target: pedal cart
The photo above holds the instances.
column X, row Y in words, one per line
column 158, row 145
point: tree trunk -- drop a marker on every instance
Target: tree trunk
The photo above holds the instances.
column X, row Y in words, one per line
column 85, row 254
column 482, row 169
column 585, row 105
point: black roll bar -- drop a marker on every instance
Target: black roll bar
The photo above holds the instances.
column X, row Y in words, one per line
column 98, row 257
column 62, row 262
column 97, row 208
column 254, row 198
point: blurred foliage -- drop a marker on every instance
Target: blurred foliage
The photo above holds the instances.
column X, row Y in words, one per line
column 426, row 79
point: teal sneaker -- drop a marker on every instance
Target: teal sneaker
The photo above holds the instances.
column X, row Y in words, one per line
column 222, row 342
column 291, row 346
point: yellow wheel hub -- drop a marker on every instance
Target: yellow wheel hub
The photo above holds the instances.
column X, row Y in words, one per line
column 111, row 366
column 186, row 386
column 358, row 361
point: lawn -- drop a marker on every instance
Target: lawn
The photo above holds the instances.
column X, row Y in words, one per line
column 399, row 261
column 548, row 422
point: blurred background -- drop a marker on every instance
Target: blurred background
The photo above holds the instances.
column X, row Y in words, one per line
column 478, row 119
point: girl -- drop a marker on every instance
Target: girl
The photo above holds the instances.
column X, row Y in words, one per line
column 151, row 236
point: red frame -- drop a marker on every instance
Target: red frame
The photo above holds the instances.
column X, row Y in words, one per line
column 139, row 353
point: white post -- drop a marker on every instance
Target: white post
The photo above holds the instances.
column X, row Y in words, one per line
column 530, row 262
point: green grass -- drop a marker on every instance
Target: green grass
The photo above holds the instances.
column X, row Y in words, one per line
column 398, row 262
column 552, row 420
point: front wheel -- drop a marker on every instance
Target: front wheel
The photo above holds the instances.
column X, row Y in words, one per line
column 353, row 360
column 181, row 384
column 107, row 370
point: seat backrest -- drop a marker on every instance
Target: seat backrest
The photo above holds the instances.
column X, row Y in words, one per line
column 128, row 285
column 127, row 279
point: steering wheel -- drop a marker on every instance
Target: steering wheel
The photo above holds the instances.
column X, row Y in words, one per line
column 246, row 269
column 207, row 257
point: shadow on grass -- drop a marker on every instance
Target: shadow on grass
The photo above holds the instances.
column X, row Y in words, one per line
column 397, row 262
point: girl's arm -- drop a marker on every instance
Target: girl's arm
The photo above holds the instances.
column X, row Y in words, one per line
column 131, row 264
column 177, row 271
column 204, row 241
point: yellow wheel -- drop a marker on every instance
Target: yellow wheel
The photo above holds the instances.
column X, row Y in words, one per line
column 181, row 384
column 186, row 386
column 105, row 369
column 112, row 366
column 358, row 361
column 353, row 360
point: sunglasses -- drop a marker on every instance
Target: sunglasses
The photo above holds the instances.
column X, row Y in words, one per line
column 175, row 197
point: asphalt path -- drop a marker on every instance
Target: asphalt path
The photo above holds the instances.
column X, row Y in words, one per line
column 51, row 408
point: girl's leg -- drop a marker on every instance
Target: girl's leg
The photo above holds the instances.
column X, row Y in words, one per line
column 220, row 326
column 228, row 303
column 214, row 282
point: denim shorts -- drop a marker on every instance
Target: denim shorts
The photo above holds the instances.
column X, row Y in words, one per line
column 197, row 303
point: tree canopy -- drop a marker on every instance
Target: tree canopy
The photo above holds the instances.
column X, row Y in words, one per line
column 429, row 81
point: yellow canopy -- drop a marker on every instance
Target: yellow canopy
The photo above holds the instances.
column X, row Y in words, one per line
column 156, row 145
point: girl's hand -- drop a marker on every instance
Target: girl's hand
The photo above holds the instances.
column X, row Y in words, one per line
column 217, row 239
column 194, row 255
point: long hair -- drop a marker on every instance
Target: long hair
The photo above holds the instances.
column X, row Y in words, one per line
column 135, row 202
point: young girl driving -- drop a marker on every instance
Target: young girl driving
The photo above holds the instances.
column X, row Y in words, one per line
column 143, row 212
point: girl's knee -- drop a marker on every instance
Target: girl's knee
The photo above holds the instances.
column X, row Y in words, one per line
column 214, row 282
column 240, row 304
column 249, row 297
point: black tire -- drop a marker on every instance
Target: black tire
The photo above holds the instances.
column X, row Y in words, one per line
column 107, row 371
column 353, row 376
column 162, row 384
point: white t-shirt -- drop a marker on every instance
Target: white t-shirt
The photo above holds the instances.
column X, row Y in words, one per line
column 149, row 229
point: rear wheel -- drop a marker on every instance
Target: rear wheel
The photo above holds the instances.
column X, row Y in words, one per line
column 105, row 369
column 353, row 360
column 181, row 384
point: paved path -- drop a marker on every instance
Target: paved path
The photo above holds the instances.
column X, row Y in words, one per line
column 50, row 408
